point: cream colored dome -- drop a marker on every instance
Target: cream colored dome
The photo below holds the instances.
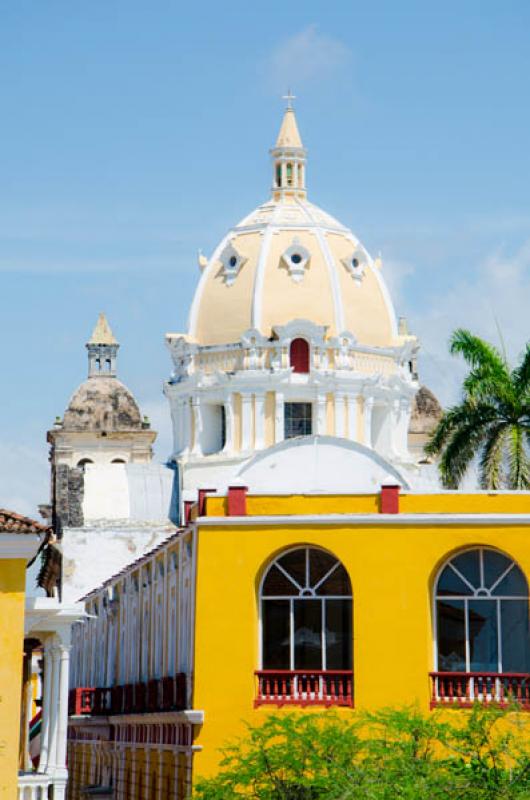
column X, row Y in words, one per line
column 289, row 260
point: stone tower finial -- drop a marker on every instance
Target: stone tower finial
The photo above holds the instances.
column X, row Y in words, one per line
column 289, row 157
column 102, row 333
column 102, row 350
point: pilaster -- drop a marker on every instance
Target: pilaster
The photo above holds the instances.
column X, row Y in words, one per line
column 368, row 410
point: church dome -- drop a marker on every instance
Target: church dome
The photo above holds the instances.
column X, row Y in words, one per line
column 426, row 412
column 290, row 260
column 102, row 404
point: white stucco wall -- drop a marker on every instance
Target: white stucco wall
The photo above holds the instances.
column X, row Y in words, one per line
column 127, row 491
column 94, row 553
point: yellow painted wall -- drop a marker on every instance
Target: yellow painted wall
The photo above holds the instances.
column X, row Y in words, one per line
column 12, row 594
column 442, row 503
column 392, row 570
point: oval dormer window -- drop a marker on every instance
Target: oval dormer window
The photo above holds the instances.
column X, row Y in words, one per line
column 296, row 258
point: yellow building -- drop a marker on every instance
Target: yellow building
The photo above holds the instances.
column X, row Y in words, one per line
column 317, row 563
column 19, row 540
column 348, row 601
column 35, row 644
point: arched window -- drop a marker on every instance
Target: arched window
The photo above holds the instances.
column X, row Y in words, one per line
column 278, row 175
column 306, row 629
column 289, row 174
column 118, row 461
column 83, row 462
column 482, row 624
column 299, row 355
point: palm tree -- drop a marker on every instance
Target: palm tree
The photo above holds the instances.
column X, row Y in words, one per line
column 491, row 422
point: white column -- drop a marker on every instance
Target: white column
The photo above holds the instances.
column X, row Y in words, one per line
column 259, row 420
column 246, row 422
column 395, row 417
column 46, row 706
column 352, row 417
column 368, row 407
column 186, row 425
column 321, row 415
column 400, row 424
column 197, row 426
column 340, row 411
column 228, row 406
column 279, row 418
column 62, row 705
column 54, row 705
column 28, row 702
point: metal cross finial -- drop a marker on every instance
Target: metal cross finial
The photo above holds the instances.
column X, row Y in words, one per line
column 289, row 97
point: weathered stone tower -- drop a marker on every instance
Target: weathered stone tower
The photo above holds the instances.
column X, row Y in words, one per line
column 110, row 502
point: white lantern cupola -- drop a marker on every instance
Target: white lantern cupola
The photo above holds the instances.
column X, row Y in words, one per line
column 289, row 158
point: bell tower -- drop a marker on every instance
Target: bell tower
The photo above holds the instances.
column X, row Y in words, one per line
column 102, row 350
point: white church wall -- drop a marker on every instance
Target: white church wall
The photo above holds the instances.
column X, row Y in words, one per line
column 106, row 492
column 150, row 489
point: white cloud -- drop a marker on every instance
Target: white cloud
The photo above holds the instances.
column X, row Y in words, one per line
column 306, row 56
column 491, row 301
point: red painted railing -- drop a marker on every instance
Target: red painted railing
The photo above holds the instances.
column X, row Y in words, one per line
column 304, row 687
column 466, row 688
column 81, row 701
column 160, row 694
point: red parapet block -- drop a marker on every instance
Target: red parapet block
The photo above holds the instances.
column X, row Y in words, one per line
column 202, row 500
column 188, row 504
column 390, row 498
column 237, row 501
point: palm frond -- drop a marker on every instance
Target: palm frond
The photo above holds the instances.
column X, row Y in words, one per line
column 465, row 413
column 490, row 467
column 485, row 384
column 521, row 374
column 476, row 351
column 460, row 451
column 519, row 465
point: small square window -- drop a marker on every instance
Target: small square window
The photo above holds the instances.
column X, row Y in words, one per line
column 298, row 420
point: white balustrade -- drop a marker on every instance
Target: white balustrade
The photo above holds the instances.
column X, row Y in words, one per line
column 33, row 786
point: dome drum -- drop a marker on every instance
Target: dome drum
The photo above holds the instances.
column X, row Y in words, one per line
column 229, row 400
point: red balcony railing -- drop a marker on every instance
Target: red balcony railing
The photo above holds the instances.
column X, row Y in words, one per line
column 304, row 687
column 160, row 694
column 466, row 688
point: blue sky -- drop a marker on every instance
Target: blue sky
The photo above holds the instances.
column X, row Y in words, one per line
column 134, row 133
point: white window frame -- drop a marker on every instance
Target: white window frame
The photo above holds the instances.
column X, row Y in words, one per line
column 306, row 592
column 479, row 593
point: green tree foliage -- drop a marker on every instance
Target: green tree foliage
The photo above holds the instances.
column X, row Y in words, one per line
column 483, row 754
column 492, row 420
